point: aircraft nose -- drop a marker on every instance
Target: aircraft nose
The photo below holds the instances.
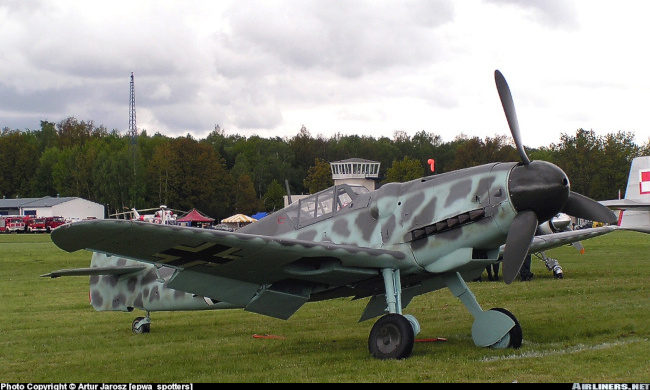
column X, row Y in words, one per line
column 540, row 187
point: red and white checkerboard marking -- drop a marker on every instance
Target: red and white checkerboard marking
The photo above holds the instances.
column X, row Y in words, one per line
column 644, row 183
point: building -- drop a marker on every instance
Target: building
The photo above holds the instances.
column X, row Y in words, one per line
column 72, row 208
column 356, row 171
column 353, row 171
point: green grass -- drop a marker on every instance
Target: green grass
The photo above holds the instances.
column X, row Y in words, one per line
column 592, row 326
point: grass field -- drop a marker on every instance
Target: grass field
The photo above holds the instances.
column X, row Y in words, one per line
column 591, row 326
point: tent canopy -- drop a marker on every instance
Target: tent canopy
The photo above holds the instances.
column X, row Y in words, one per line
column 194, row 216
column 238, row 218
column 260, row 215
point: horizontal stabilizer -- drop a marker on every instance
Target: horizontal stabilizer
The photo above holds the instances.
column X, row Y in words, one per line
column 95, row 271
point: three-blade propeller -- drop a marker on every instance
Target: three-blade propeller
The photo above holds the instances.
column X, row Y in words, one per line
column 538, row 190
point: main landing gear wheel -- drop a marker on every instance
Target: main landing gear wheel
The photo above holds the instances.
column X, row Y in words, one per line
column 391, row 337
column 140, row 328
column 516, row 335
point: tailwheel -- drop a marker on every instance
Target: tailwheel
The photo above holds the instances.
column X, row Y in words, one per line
column 515, row 334
column 141, row 325
column 391, row 337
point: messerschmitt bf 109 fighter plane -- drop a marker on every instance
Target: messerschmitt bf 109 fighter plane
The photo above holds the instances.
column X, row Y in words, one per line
column 389, row 245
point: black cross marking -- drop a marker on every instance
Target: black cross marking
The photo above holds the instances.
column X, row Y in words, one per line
column 207, row 252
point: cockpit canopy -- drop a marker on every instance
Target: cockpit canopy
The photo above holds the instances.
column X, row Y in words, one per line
column 324, row 204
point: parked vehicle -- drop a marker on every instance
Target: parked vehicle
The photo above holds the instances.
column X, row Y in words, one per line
column 35, row 224
column 10, row 224
column 52, row 223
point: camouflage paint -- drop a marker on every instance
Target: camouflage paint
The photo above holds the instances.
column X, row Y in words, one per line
column 452, row 222
column 386, row 217
column 140, row 290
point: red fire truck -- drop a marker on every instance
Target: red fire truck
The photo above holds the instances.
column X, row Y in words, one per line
column 35, row 224
column 10, row 224
column 52, row 223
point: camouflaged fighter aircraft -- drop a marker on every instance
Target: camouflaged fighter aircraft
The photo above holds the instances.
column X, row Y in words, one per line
column 391, row 244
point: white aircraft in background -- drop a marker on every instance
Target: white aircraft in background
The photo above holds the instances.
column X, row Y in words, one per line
column 163, row 215
column 633, row 208
column 633, row 211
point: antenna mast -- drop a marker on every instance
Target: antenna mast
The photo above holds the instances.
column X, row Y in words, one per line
column 133, row 133
column 133, row 129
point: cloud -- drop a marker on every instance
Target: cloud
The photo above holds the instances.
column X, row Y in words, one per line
column 345, row 38
column 361, row 67
column 553, row 13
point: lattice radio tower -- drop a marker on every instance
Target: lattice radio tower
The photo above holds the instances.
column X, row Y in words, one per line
column 133, row 132
column 133, row 129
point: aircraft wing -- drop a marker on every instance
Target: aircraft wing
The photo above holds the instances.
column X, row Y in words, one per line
column 264, row 274
column 554, row 240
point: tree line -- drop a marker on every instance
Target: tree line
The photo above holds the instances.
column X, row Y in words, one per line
column 224, row 174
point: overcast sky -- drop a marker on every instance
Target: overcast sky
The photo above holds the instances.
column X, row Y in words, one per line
column 370, row 68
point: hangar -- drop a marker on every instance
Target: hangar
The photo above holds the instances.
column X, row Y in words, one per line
column 70, row 208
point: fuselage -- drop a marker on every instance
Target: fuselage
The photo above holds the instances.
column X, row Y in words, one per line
column 440, row 222
column 426, row 219
column 452, row 222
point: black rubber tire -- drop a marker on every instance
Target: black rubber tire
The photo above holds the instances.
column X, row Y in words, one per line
column 142, row 329
column 516, row 334
column 391, row 337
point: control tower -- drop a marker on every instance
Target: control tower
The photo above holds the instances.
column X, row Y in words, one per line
column 353, row 171
column 356, row 171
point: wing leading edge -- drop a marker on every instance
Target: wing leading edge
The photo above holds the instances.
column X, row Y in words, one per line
column 554, row 240
column 267, row 275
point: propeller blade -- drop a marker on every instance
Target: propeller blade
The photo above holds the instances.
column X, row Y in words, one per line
column 511, row 115
column 518, row 241
column 586, row 208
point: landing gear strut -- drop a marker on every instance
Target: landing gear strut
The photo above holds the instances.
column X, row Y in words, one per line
column 552, row 265
column 494, row 328
column 393, row 335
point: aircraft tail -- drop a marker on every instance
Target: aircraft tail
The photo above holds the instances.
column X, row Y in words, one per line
column 117, row 290
column 634, row 208
column 145, row 289
column 118, row 284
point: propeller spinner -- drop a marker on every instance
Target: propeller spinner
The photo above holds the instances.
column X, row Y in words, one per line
column 538, row 190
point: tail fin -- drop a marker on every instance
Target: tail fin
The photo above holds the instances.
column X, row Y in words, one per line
column 138, row 285
column 115, row 291
column 118, row 284
column 635, row 207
